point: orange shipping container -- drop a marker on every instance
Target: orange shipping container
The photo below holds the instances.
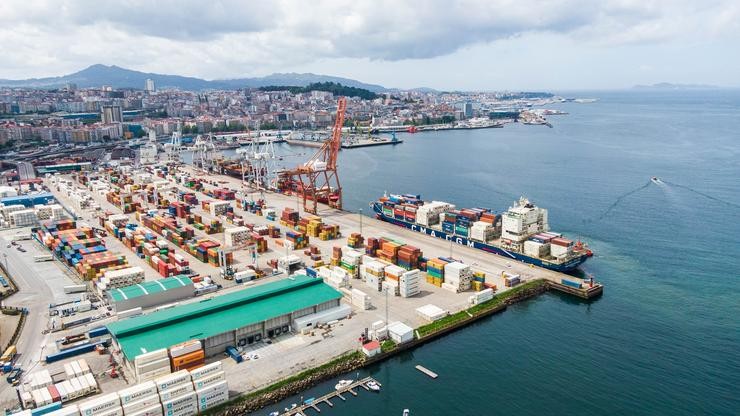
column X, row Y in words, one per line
column 188, row 358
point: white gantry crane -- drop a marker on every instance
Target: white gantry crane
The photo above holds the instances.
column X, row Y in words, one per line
column 204, row 153
column 259, row 162
column 173, row 149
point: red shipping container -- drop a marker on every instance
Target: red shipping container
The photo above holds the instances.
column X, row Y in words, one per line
column 55, row 396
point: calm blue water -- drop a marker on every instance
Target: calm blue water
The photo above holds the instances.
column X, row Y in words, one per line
column 664, row 338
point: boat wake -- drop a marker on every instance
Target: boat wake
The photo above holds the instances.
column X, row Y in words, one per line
column 619, row 200
column 732, row 204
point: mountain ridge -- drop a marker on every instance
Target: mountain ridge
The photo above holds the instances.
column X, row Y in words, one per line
column 98, row 74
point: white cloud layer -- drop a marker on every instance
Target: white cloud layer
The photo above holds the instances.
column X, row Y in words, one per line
column 227, row 39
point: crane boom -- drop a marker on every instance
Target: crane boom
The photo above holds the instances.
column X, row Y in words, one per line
column 317, row 180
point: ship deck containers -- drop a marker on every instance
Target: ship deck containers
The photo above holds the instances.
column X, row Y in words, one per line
column 236, row 318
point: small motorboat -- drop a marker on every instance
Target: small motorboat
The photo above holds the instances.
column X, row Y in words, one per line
column 343, row 384
column 406, row 412
column 274, row 413
column 373, row 385
column 656, row 180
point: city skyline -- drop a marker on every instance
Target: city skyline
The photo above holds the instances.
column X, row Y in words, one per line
column 465, row 45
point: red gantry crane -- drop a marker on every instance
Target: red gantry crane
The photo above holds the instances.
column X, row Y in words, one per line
column 317, row 180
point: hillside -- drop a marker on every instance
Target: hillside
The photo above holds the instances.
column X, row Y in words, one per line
column 117, row 77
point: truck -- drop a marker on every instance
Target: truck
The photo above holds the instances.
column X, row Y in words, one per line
column 43, row 257
column 14, row 377
column 245, row 276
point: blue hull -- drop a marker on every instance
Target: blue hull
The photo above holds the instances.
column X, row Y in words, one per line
column 558, row 267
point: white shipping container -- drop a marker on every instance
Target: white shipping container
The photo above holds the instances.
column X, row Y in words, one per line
column 116, row 411
column 47, row 395
column 69, row 370
column 213, row 399
column 480, row 297
column 62, row 392
column 152, row 366
column 91, row 381
column 206, row 370
column 175, row 392
column 26, row 399
column 373, row 282
column 185, row 348
column 38, row 397
column 142, row 403
column 171, row 406
column 100, row 405
column 431, row 312
column 220, row 386
column 86, row 388
column 209, row 380
column 84, row 367
column 186, row 409
column 137, row 392
column 154, row 374
column 150, row 357
column 77, row 387
column 69, row 391
column 76, row 368
column 400, row 332
column 173, row 380
column 155, row 410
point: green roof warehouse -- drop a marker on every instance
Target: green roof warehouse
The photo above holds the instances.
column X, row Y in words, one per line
column 237, row 318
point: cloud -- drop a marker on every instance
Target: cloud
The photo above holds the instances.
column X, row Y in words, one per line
column 225, row 38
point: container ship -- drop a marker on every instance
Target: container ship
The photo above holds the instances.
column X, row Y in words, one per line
column 521, row 233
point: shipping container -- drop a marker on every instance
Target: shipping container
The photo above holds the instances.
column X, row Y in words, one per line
column 137, row 392
column 172, row 380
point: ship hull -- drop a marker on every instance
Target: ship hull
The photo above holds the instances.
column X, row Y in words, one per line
column 566, row 267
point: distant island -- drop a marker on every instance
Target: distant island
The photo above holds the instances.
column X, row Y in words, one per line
column 671, row 86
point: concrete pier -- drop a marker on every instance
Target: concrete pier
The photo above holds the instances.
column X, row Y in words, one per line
column 493, row 265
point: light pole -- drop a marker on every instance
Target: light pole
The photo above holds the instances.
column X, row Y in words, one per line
column 386, row 306
column 360, row 221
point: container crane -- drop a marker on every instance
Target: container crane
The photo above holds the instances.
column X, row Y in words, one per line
column 317, row 180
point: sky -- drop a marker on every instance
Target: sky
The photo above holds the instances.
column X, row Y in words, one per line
column 445, row 44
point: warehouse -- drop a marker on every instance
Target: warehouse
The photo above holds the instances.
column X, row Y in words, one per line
column 149, row 294
column 237, row 318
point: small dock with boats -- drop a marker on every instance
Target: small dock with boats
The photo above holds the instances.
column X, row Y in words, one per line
column 341, row 390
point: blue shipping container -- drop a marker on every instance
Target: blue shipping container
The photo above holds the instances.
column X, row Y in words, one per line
column 46, row 409
column 571, row 283
column 71, row 352
column 97, row 332
column 233, row 353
